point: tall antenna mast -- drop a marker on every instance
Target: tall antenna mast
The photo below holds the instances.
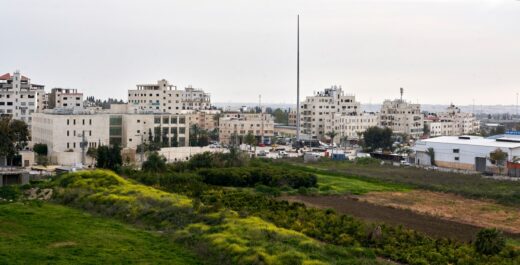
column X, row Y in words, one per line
column 517, row 105
column 298, row 78
column 261, row 117
column 402, row 91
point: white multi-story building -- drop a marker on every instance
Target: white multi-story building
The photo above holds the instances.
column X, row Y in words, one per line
column 62, row 129
column 319, row 111
column 452, row 122
column 402, row 117
column 19, row 97
column 165, row 97
column 240, row 124
column 64, row 98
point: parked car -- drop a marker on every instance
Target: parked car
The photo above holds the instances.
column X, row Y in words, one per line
column 283, row 153
column 263, row 153
column 405, row 163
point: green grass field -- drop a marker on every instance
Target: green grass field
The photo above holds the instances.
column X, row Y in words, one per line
column 470, row 186
column 330, row 184
column 54, row 234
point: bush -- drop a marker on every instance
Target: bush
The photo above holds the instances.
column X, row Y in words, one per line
column 367, row 161
column 10, row 192
column 251, row 176
column 489, row 241
column 154, row 163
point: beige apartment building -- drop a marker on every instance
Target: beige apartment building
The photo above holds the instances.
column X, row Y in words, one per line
column 64, row 98
column 164, row 97
column 19, row 98
column 321, row 112
column 205, row 119
column 351, row 127
column 238, row 124
column 452, row 122
column 402, row 117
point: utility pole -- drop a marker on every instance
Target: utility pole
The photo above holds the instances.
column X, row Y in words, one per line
column 83, row 145
column 298, row 80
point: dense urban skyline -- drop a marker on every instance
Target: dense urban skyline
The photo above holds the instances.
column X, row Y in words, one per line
column 237, row 50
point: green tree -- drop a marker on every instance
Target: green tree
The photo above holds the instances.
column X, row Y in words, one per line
column 489, row 241
column 40, row 149
column 250, row 139
column 431, row 153
column 92, row 153
column 154, row 163
column 332, row 134
column 498, row 157
column 14, row 135
column 109, row 157
column 281, row 116
column 375, row 138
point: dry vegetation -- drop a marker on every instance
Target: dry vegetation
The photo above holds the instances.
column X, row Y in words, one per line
column 481, row 213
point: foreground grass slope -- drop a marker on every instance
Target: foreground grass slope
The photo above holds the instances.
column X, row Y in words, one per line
column 55, row 234
column 218, row 235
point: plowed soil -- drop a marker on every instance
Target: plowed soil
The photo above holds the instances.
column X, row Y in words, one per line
column 432, row 225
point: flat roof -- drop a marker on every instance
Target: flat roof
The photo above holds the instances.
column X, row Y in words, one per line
column 473, row 140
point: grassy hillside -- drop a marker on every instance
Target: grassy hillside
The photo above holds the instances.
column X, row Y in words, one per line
column 218, row 235
column 54, row 234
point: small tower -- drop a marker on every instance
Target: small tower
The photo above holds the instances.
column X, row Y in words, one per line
column 402, row 91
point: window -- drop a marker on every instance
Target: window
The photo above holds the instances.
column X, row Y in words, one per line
column 456, row 151
column 457, row 158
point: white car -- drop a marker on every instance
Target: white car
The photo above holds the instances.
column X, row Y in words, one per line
column 283, row 153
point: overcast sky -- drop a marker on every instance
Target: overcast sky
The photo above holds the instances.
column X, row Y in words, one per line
column 439, row 51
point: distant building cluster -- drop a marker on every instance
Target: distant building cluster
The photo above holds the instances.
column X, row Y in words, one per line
column 160, row 112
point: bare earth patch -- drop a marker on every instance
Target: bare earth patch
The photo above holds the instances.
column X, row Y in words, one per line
column 450, row 207
column 63, row 244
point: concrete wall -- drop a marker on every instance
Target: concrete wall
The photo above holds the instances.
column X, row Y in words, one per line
column 175, row 154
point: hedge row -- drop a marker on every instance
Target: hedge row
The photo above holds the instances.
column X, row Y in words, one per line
column 251, row 176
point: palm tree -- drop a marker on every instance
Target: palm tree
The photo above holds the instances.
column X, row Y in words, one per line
column 331, row 135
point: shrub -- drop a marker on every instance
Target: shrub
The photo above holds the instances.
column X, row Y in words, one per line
column 154, row 163
column 489, row 241
column 251, row 176
column 10, row 192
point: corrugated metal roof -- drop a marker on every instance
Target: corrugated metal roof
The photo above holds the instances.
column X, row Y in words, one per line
column 473, row 140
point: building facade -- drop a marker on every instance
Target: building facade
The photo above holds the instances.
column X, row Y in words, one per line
column 465, row 152
column 63, row 130
column 402, row 117
column 234, row 126
column 165, row 97
column 318, row 112
column 19, row 98
column 452, row 122
column 351, row 127
column 64, row 98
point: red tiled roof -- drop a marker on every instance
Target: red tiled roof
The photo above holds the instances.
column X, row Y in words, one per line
column 8, row 76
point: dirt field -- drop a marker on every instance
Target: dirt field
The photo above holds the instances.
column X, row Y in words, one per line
column 431, row 225
column 451, row 207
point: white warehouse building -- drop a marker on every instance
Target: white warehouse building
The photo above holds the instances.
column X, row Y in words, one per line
column 466, row 152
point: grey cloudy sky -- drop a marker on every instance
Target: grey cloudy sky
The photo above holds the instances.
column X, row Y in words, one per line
column 439, row 51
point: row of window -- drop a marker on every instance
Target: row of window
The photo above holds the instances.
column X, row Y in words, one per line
column 82, row 122
column 21, row 96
